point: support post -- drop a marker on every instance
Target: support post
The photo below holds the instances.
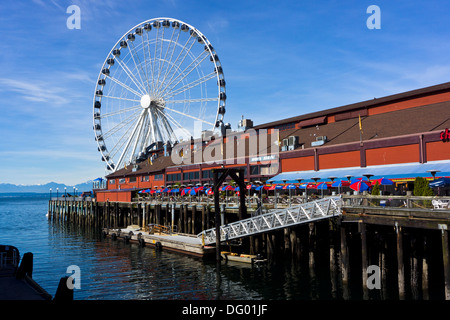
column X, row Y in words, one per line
column 362, row 229
column 400, row 263
column 446, row 260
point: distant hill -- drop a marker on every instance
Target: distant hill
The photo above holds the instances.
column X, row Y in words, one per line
column 43, row 188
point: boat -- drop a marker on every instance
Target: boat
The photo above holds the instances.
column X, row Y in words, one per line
column 245, row 258
column 16, row 282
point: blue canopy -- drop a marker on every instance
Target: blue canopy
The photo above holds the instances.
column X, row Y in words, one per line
column 291, row 186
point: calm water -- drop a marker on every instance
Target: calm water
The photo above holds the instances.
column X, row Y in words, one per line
column 115, row 270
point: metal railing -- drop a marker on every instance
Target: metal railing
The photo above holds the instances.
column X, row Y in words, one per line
column 391, row 201
column 275, row 219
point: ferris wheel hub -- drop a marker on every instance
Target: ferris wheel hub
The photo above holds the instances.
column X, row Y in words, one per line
column 146, row 101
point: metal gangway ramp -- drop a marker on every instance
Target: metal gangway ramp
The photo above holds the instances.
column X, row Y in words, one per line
column 276, row 219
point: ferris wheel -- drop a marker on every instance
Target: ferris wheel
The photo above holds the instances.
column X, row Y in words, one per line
column 161, row 83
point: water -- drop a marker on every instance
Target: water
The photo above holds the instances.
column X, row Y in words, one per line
column 114, row 270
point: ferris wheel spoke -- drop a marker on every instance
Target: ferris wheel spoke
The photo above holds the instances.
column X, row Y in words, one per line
column 120, row 125
column 169, row 61
column 125, row 86
column 160, row 60
column 119, row 98
column 130, row 75
column 191, row 100
column 125, row 150
column 106, row 115
column 182, row 60
column 151, row 61
column 139, row 134
column 140, row 66
column 188, row 116
column 190, row 85
column 178, row 56
column 175, row 122
column 183, row 74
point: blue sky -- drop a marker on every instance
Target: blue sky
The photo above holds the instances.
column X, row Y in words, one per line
column 280, row 59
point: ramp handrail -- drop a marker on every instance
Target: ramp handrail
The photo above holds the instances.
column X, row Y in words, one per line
column 276, row 219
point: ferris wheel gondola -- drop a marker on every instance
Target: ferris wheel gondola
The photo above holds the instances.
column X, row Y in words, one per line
column 161, row 83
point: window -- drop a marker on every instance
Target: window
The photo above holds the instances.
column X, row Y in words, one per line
column 112, row 181
column 122, row 180
column 158, row 177
column 132, row 179
column 206, row 174
column 254, row 170
column 145, row 178
column 174, row 177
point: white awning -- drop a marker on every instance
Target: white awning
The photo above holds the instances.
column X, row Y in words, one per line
column 393, row 171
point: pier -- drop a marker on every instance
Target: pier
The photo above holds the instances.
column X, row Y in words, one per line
column 404, row 237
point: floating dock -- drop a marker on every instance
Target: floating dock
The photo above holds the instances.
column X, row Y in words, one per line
column 178, row 242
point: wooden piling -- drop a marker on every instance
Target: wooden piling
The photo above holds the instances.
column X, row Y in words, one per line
column 364, row 260
column 446, row 261
column 400, row 263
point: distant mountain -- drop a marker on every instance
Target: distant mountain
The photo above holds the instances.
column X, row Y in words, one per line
column 43, row 188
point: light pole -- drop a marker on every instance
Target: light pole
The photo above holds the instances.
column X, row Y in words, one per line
column 57, row 193
column 50, row 193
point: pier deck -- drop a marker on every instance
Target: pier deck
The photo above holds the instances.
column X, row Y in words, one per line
column 184, row 243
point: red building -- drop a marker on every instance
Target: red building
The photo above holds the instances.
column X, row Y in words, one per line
column 401, row 137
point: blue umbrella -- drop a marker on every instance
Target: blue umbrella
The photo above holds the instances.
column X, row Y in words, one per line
column 291, row 186
column 322, row 186
column 441, row 182
column 237, row 188
column 258, row 188
column 384, row 181
column 192, row 192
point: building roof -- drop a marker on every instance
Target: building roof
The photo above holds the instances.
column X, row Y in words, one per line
column 396, row 123
column 444, row 87
column 144, row 167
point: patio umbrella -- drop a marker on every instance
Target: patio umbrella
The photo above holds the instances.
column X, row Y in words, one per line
column 384, row 181
column 228, row 188
column 192, row 192
column 322, row 186
column 359, row 185
column 237, row 188
column 339, row 184
column 441, row 182
column 210, row 191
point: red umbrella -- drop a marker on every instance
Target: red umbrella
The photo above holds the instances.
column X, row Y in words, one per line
column 360, row 185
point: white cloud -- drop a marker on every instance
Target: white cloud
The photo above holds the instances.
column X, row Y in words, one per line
column 35, row 90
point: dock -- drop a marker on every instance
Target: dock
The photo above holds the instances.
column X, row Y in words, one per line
column 177, row 242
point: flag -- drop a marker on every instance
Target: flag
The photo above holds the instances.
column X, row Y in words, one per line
column 360, row 124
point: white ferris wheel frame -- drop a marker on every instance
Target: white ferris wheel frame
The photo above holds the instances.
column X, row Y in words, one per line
column 147, row 119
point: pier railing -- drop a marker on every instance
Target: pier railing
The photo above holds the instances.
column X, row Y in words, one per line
column 390, row 201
